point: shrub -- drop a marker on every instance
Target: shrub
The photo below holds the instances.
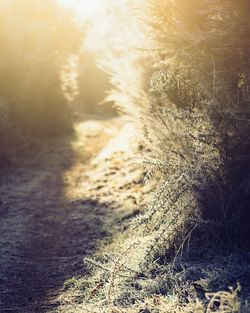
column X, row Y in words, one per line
column 199, row 108
column 195, row 125
column 33, row 52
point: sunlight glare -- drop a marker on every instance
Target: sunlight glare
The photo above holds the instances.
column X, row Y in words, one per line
column 83, row 8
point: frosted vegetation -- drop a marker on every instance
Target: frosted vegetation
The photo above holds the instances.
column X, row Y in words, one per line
column 179, row 70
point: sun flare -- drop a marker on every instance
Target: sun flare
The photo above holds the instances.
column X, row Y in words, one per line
column 84, row 8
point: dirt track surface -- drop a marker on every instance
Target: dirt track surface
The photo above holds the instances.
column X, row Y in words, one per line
column 50, row 219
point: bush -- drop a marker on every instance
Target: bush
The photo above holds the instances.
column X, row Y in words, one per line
column 33, row 53
column 93, row 84
column 195, row 125
column 199, row 108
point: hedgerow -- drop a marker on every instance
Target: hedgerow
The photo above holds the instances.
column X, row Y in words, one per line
column 191, row 106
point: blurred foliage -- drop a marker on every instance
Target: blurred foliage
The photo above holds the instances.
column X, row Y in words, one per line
column 93, row 84
column 36, row 40
column 123, row 57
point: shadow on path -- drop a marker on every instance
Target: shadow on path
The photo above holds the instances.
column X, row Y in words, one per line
column 44, row 234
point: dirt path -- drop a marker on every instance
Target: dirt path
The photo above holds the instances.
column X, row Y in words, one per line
column 46, row 228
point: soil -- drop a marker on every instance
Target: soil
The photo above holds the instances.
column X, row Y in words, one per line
column 54, row 210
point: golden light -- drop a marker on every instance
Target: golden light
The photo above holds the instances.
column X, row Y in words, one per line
column 113, row 24
column 83, row 8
